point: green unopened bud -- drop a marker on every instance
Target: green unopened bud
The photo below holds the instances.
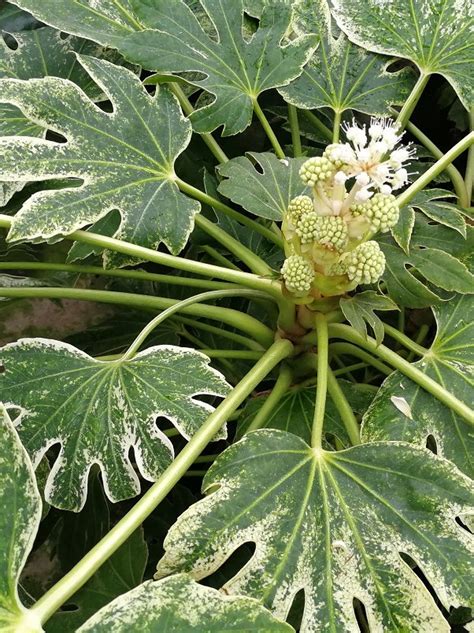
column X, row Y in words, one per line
column 381, row 211
column 364, row 265
column 315, row 170
column 298, row 207
column 328, row 231
column 298, row 274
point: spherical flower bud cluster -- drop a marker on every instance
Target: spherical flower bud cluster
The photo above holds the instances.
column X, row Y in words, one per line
column 298, row 274
column 298, row 207
column 364, row 265
column 316, row 169
column 381, row 211
column 327, row 231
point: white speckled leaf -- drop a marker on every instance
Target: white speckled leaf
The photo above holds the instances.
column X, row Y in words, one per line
column 104, row 21
column 41, row 53
column 236, row 71
column 333, row 524
column 341, row 75
column 294, row 412
column 178, row 605
column 98, row 410
column 437, row 35
column 450, row 361
column 125, row 159
column 20, row 514
column 433, row 203
column 261, row 183
column 360, row 309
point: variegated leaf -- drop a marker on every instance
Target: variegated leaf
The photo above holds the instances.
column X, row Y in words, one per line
column 335, row 525
column 97, row 411
column 125, row 158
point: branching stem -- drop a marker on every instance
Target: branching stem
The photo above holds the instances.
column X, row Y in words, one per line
column 413, row 98
column 404, row 340
column 321, row 386
column 268, row 129
column 280, row 388
column 295, row 130
column 344, row 409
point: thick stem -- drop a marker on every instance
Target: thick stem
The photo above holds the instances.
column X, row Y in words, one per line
column 451, row 170
column 319, row 125
column 295, row 130
column 180, row 263
column 219, row 331
column 322, row 383
column 344, row 409
column 254, row 262
column 280, row 388
column 413, row 98
column 178, row 307
column 141, row 275
column 85, row 569
column 219, row 258
column 404, row 340
column 352, row 350
column 431, row 386
column 216, row 204
column 336, row 126
column 188, row 109
column 469, row 177
column 235, row 318
column 268, row 129
column 435, row 169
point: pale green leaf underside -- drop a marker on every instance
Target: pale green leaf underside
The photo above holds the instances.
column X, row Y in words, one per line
column 333, row 524
column 261, row 183
column 20, row 513
column 437, row 254
column 450, row 361
column 125, row 159
column 437, row 35
column 99, row 410
column 294, row 412
column 360, row 309
column 341, row 75
column 236, row 71
column 179, row 604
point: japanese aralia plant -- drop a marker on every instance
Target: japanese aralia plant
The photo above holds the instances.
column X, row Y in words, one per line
column 244, row 183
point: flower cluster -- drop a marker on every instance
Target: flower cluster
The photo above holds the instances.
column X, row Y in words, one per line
column 328, row 236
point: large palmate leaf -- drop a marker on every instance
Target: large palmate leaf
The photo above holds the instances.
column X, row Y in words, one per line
column 437, row 254
column 98, row 410
column 295, row 411
column 434, row 34
column 261, row 183
column 14, row 19
column 334, row 525
column 360, row 310
column 179, row 604
column 236, row 71
column 124, row 158
column 341, row 75
column 404, row 411
column 20, row 513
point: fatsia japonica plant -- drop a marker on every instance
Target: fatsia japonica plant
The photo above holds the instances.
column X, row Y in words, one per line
column 237, row 343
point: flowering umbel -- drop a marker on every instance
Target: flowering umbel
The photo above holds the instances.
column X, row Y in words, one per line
column 328, row 236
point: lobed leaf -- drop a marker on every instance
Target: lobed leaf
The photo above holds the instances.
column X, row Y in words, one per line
column 20, row 514
column 99, row 410
column 180, row 604
column 402, row 410
column 235, row 70
column 434, row 34
column 360, row 309
column 125, row 159
column 335, row 525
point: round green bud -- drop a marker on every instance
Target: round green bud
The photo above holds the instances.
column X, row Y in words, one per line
column 364, row 265
column 315, row 170
column 328, row 231
column 381, row 211
column 298, row 274
column 298, row 207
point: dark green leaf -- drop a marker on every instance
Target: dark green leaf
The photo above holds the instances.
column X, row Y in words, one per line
column 360, row 309
column 178, row 605
column 431, row 202
column 125, row 159
column 404, row 411
column 333, row 524
column 236, row 71
column 99, row 410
